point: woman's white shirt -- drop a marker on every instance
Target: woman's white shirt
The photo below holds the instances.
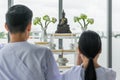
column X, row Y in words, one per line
column 77, row 73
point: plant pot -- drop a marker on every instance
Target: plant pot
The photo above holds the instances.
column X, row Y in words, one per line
column 83, row 29
column 44, row 35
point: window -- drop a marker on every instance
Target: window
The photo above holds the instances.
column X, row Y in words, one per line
column 41, row 8
column 3, row 10
column 94, row 10
column 116, row 37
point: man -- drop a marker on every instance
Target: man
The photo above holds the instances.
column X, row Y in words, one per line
column 20, row 60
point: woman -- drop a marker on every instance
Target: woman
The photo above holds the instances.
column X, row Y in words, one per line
column 89, row 48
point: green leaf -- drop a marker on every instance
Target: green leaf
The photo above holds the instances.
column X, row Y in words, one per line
column 83, row 16
column 54, row 20
column 76, row 19
column 37, row 20
column 90, row 20
column 46, row 18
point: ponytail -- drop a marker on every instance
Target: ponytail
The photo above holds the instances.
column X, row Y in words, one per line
column 90, row 45
column 90, row 73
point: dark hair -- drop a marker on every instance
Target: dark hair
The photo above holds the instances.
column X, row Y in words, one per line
column 18, row 17
column 90, row 45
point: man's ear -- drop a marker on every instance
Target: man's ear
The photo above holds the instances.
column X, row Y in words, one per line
column 6, row 27
column 29, row 27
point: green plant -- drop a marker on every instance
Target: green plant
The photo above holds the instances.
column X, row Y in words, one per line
column 2, row 35
column 47, row 20
column 83, row 20
column 44, row 22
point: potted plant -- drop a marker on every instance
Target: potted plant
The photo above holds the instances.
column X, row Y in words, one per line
column 84, row 21
column 44, row 22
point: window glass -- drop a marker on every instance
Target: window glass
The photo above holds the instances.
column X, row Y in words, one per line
column 116, row 37
column 3, row 32
column 93, row 9
column 41, row 8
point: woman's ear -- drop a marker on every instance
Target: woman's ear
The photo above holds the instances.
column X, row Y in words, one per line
column 79, row 59
column 100, row 51
column 78, row 50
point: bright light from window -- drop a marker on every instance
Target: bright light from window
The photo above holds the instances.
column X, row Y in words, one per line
column 41, row 8
column 3, row 10
column 91, row 8
column 3, row 32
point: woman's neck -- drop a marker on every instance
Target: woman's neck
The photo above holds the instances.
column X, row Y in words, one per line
column 96, row 65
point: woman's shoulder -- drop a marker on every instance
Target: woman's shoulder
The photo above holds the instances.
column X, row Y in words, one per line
column 74, row 69
column 106, row 70
column 71, row 74
column 109, row 73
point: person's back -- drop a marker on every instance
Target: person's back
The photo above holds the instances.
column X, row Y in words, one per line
column 24, row 61
column 78, row 73
column 20, row 60
column 89, row 48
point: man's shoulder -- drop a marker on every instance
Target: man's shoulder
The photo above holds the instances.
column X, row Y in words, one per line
column 38, row 47
column 26, row 46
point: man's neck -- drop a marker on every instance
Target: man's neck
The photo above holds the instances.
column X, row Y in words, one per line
column 18, row 37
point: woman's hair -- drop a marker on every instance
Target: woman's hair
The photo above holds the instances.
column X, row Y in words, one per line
column 90, row 45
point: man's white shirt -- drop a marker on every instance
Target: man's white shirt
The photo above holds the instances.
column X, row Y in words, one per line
column 25, row 61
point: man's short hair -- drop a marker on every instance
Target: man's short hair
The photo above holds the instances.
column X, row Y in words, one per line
column 18, row 17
